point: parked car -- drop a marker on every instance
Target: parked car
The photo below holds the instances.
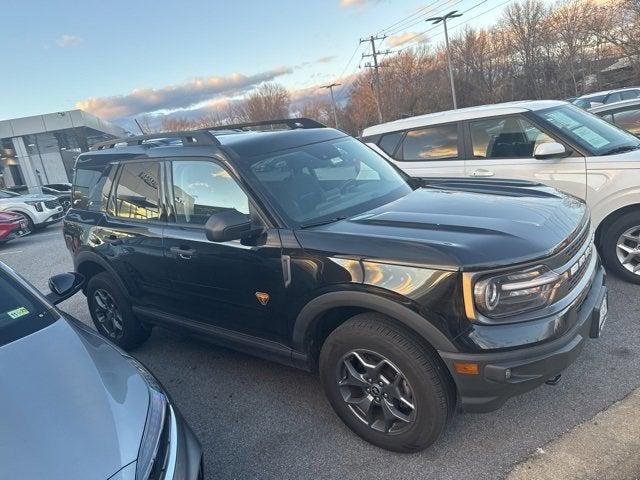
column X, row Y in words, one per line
column 625, row 114
column 37, row 209
column 606, row 96
column 11, row 226
column 63, row 195
column 74, row 405
column 550, row 142
column 306, row 247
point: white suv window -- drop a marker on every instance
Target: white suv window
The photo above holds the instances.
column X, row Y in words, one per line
column 510, row 137
column 431, row 143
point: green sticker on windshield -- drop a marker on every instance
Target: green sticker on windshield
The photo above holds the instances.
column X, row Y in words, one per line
column 18, row 312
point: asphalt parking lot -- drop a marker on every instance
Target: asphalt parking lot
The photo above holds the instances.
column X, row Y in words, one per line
column 265, row 421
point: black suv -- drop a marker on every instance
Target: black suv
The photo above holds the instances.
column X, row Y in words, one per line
column 304, row 246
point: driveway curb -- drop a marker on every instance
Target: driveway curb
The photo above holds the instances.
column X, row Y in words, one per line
column 605, row 447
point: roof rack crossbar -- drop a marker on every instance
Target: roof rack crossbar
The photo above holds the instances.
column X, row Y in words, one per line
column 292, row 123
column 190, row 137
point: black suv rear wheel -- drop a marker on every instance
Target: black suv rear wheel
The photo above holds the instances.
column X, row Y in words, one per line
column 385, row 385
column 111, row 313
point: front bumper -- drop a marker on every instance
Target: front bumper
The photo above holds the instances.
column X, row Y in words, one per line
column 49, row 216
column 505, row 374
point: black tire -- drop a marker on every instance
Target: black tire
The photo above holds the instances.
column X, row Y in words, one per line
column 432, row 394
column 30, row 224
column 132, row 332
column 609, row 246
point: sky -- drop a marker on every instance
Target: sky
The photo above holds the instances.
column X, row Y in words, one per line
column 126, row 59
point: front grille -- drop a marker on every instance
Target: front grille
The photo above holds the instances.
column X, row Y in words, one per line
column 576, row 268
column 51, row 204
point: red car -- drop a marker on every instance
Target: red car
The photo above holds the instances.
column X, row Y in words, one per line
column 12, row 226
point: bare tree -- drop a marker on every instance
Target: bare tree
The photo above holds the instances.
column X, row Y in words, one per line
column 267, row 102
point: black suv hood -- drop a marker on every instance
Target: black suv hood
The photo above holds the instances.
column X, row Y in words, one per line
column 458, row 227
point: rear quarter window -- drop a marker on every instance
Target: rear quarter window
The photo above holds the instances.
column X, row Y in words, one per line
column 91, row 186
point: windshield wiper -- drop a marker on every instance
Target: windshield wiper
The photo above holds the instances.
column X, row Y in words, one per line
column 322, row 222
column 621, row 149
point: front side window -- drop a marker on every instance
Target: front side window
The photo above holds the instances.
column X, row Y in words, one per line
column 587, row 130
column 629, row 120
column 511, row 137
column 137, row 192
column 203, row 188
column 614, row 97
column 20, row 312
column 321, row 181
column 431, row 143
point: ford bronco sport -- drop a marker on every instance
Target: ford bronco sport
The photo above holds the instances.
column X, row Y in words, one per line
column 304, row 246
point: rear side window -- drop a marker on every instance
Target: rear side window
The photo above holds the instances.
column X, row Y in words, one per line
column 389, row 142
column 629, row 94
column 431, row 143
column 91, row 187
column 629, row 120
column 137, row 194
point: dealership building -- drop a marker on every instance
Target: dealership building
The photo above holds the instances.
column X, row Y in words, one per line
column 42, row 149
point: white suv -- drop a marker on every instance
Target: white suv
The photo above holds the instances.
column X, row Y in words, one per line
column 37, row 209
column 550, row 142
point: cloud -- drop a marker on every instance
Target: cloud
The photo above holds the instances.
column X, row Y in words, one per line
column 403, row 38
column 65, row 41
column 356, row 3
column 321, row 60
column 175, row 97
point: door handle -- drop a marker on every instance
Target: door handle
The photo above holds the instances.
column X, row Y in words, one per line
column 481, row 172
column 183, row 253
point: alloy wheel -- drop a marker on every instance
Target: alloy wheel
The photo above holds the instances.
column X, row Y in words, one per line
column 628, row 249
column 107, row 313
column 376, row 391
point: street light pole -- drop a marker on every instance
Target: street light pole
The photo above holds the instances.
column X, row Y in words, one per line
column 333, row 101
column 443, row 19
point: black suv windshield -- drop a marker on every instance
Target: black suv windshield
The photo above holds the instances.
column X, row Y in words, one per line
column 592, row 133
column 21, row 313
column 328, row 180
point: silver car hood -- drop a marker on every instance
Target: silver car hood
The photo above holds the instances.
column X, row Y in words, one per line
column 72, row 406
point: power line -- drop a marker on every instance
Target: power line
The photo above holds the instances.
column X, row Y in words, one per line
column 402, row 23
column 457, row 25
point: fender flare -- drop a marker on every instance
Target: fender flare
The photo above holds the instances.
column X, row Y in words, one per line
column 21, row 211
column 92, row 257
column 308, row 317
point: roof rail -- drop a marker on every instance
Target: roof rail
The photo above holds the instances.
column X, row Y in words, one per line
column 292, row 123
column 192, row 137
column 205, row 136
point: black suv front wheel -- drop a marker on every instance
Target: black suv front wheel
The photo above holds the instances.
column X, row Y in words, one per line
column 385, row 385
column 111, row 313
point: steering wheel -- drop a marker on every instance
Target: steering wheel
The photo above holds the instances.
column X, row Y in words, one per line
column 347, row 185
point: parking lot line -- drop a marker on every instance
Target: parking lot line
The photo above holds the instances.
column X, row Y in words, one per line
column 10, row 251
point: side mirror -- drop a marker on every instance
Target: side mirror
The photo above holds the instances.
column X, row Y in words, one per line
column 63, row 286
column 227, row 225
column 549, row 150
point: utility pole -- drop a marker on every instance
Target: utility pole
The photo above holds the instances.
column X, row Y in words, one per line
column 376, row 74
column 333, row 101
column 443, row 19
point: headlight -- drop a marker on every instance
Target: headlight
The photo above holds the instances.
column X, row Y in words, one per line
column 156, row 415
column 36, row 205
column 512, row 293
